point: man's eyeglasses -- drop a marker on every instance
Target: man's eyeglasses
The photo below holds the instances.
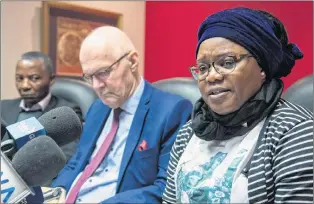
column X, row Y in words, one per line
column 224, row 65
column 103, row 74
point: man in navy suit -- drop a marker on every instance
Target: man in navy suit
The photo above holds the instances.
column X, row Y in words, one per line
column 133, row 170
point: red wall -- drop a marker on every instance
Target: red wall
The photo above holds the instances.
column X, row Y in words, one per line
column 171, row 34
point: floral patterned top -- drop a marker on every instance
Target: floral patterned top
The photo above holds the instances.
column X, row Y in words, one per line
column 207, row 170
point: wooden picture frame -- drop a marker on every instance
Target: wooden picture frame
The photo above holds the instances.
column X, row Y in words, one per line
column 64, row 27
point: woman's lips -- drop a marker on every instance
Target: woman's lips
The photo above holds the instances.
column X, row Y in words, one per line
column 218, row 94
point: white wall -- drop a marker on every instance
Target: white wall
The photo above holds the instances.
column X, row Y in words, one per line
column 21, row 32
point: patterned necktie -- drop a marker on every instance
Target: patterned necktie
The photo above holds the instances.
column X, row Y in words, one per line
column 93, row 165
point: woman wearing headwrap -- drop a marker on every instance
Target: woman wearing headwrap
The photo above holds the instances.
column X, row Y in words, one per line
column 244, row 144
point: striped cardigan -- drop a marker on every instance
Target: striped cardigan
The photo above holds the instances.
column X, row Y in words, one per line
column 281, row 168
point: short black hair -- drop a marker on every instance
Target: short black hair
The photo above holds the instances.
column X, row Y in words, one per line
column 35, row 55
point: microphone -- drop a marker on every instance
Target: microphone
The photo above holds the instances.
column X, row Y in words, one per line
column 8, row 148
column 61, row 124
column 25, row 130
column 13, row 188
column 37, row 162
column 31, row 128
column 21, row 132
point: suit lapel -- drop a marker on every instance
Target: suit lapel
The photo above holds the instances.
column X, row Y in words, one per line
column 14, row 112
column 92, row 130
column 135, row 130
column 52, row 104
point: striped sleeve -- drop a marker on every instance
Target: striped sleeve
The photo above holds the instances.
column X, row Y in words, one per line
column 293, row 165
column 169, row 195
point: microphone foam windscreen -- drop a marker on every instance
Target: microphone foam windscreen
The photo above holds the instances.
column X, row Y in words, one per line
column 62, row 124
column 39, row 161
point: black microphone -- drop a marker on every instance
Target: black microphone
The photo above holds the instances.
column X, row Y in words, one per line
column 38, row 161
column 62, row 125
column 7, row 146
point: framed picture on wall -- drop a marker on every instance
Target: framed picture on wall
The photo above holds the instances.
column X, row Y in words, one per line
column 64, row 28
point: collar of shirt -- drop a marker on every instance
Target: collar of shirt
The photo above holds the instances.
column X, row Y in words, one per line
column 130, row 105
column 42, row 104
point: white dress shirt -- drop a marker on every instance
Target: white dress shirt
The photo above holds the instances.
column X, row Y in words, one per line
column 42, row 104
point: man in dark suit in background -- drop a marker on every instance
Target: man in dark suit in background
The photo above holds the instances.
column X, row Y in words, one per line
column 33, row 78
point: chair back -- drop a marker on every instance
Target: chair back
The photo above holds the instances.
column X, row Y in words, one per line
column 182, row 86
column 301, row 92
column 75, row 91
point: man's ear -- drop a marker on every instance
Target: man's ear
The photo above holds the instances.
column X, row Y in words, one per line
column 134, row 60
column 263, row 75
column 52, row 79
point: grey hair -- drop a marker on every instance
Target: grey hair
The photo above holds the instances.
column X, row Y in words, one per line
column 35, row 55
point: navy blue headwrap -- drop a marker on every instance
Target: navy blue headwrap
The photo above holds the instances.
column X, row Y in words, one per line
column 255, row 32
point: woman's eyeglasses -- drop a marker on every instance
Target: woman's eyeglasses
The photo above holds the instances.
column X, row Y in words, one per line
column 223, row 66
